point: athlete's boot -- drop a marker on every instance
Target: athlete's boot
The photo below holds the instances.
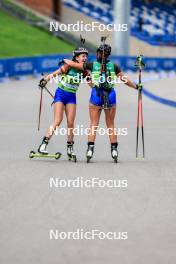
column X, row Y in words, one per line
column 114, row 151
column 70, row 153
column 43, row 146
column 90, row 151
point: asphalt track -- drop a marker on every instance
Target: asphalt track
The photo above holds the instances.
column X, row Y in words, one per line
column 29, row 208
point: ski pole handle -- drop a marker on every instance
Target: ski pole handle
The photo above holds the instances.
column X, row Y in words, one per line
column 139, row 62
column 139, row 87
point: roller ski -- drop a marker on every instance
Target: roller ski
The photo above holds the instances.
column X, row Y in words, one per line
column 90, row 152
column 42, row 151
column 114, row 152
column 70, row 153
column 34, row 154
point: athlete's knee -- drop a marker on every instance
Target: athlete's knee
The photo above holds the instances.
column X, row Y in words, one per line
column 94, row 122
column 109, row 122
column 93, row 128
column 70, row 123
column 57, row 122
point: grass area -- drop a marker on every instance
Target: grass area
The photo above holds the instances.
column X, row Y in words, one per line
column 19, row 39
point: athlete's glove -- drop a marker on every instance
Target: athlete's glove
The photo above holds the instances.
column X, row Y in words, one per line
column 42, row 83
column 61, row 63
column 139, row 87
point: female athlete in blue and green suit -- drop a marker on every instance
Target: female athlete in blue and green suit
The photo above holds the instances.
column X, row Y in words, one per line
column 65, row 99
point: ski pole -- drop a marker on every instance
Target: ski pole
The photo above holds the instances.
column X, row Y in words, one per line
column 49, row 92
column 41, row 99
column 40, row 108
column 44, row 87
column 140, row 122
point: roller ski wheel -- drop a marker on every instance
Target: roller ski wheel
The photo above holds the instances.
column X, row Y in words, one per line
column 72, row 158
column 31, row 154
column 88, row 159
column 34, row 154
column 57, row 155
column 115, row 160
